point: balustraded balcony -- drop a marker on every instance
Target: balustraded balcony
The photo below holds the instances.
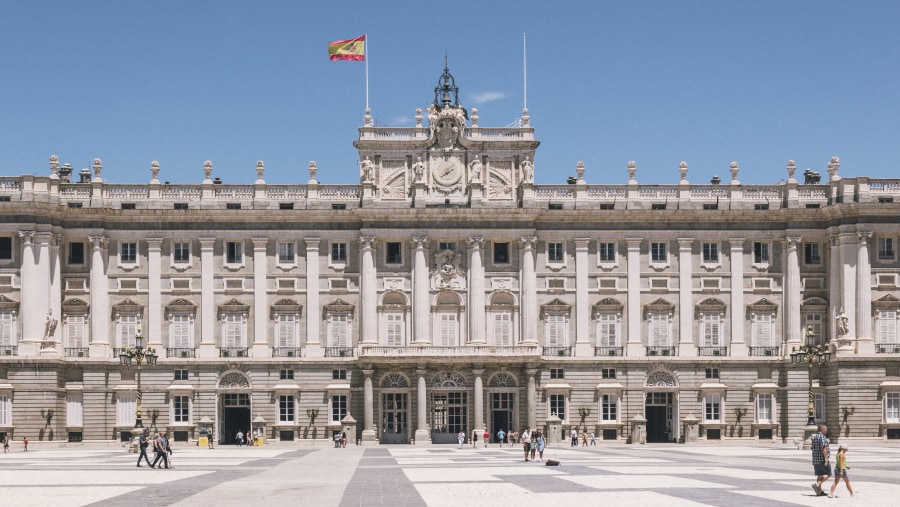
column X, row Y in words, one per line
column 557, row 351
column 607, row 351
column 233, row 352
column 887, row 348
column 661, row 351
column 764, row 351
column 9, row 350
column 287, row 352
column 338, row 351
column 712, row 351
column 77, row 352
column 469, row 351
column 180, row 352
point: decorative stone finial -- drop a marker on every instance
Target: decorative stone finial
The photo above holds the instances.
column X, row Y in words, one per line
column 734, row 173
column 526, row 120
column 474, row 117
column 154, row 171
column 791, row 167
column 683, row 169
column 579, row 168
column 54, row 167
column 312, row 172
column 632, row 168
column 367, row 118
column 419, row 117
column 260, row 169
column 98, row 166
column 833, row 167
column 207, row 171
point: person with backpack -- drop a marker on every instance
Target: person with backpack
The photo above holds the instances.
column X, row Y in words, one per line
column 143, row 442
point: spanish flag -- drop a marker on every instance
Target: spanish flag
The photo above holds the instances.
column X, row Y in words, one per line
column 352, row 49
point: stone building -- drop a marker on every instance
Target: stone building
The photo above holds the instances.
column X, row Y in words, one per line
column 446, row 293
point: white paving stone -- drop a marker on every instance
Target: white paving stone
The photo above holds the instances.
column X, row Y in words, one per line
column 639, row 482
column 510, row 495
column 474, row 474
column 60, row 496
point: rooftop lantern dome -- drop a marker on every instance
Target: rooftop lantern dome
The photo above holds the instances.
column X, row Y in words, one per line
column 443, row 91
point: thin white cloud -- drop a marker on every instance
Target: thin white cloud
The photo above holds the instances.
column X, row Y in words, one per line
column 484, row 97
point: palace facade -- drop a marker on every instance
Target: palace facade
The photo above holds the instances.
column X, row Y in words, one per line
column 446, row 293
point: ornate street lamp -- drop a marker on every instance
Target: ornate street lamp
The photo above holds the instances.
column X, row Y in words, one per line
column 811, row 353
column 139, row 354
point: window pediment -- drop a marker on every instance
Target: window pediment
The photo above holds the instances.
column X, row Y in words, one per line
column 127, row 307
column 710, row 305
column 814, row 305
column 8, row 304
column 286, row 306
column 608, row 305
column 233, row 306
column 75, row 307
column 337, row 306
column 763, row 306
column 556, row 306
column 181, row 306
column 659, row 306
column 886, row 302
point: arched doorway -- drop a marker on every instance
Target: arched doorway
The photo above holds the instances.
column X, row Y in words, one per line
column 449, row 407
column 502, row 394
column 233, row 406
column 661, row 407
column 394, row 389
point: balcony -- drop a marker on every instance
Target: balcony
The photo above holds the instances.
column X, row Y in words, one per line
column 287, row 352
column 557, row 352
column 764, row 351
column 607, row 351
column 887, row 348
column 450, row 352
column 338, row 351
column 712, row 351
column 77, row 352
column 9, row 350
column 180, row 352
column 233, row 352
column 660, row 351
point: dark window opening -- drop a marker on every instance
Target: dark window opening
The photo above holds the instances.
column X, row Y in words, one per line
column 555, row 206
column 76, row 253
column 285, row 205
column 501, row 253
column 75, row 205
column 128, row 205
column 760, row 207
column 6, row 249
column 711, row 206
column 180, row 205
column 394, row 255
column 232, row 205
column 658, row 206
column 338, row 206
column 607, row 206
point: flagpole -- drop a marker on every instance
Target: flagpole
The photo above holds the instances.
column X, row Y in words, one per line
column 366, row 52
column 524, row 74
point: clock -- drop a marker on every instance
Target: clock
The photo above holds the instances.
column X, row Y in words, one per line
column 447, row 172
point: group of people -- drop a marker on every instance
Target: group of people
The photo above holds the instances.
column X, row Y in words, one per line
column 161, row 447
column 239, row 438
column 584, row 438
column 6, row 443
column 533, row 442
column 821, row 459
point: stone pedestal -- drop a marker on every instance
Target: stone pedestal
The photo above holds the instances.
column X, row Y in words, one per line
column 554, row 430
column 349, row 426
column 638, row 430
column 691, row 430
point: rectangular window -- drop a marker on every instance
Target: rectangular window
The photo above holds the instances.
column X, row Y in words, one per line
column 338, row 374
column 76, row 253
column 892, row 407
column 814, row 321
column 339, row 252
column 286, row 374
column 764, row 406
column 608, row 373
column 232, row 205
column 396, row 328
column 449, row 329
column 180, row 205
column 607, row 332
column 5, row 410
column 712, row 373
column 885, row 249
column 286, row 409
column 74, row 409
column 128, row 326
column 181, row 374
column 6, row 249
column 126, row 409
column 393, row 253
column 339, row 330
column 285, row 253
column 711, row 329
column 338, row 407
column 558, row 405
column 812, row 253
column 710, row 253
column 7, row 328
column 128, row 253
column 446, row 245
column 554, row 252
column 75, row 331
column 181, row 252
column 658, row 252
column 555, row 330
column 557, row 373
column 609, row 408
column 712, row 407
column 762, row 330
column 886, row 326
column 286, row 329
column 501, row 253
column 233, row 331
column 760, row 252
column 503, row 329
column 181, row 409
column 606, row 251
column 659, row 330
column 180, row 331
column 234, row 252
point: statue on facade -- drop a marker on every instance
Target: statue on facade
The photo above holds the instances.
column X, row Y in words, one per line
column 527, row 171
column 843, row 323
column 418, row 170
column 50, row 324
column 475, row 171
column 367, row 172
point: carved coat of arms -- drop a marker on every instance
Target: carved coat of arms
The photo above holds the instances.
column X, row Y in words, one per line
column 447, row 274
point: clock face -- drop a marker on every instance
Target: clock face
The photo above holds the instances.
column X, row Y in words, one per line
column 447, row 171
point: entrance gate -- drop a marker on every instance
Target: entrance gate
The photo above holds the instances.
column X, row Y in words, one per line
column 394, row 418
column 449, row 407
column 235, row 416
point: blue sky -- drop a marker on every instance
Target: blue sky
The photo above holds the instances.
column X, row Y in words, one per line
column 657, row 82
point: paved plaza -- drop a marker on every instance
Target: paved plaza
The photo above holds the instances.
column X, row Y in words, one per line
column 437, row 476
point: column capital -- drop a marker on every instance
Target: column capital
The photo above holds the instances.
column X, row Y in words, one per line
column 864, row 237
column 365, row 242
column 528, row 242
column 98, row 242
column 312, row 243
column 685, row 243
column 634, row 244
column 259, row 243
column 736, row 243
column 368, row 372
column 420, row 241
column 582, row 243
column 154, row 243
column 793, row 242
column 27, row 237
column 475, row 242
column 207, row 243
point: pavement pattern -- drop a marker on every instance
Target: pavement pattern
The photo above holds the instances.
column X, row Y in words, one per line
column 439, row 476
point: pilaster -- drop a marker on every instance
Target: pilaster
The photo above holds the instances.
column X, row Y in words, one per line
column 686, row 346
column 633, row 307
column 99, row 347
column 528, row 295
column 421, row 309
column 738, row 346
column 583, row 346
column 207, row 347
column 476, row 291
column 368, row 294
column 313, row 344
column 260, row 313
column 865, row 341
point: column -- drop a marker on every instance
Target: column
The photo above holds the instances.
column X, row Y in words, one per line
column 421, row 307
column 738, row 345
column 531, row 398
column 313, row 345
column 368, row 304
column 686, row 346
column 582, row 306
column 55, row 296
column 865, row 341
column 422, row 433
column 528, row 286
column 99, row 347
column 153, row 329
column 31, row 315
column 849, row 261
column 369, row 433
column 793, row 331
column 207, row 347
column 260, row 312
column 476, row 291
column 478, row 424
column 633, row 306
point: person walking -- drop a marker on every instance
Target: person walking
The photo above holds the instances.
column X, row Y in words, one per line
column 239, row 438
column 487, row 436
column 526, row 442
column 161, row 445
column 462, row 438
column 584, row 439
column 474, row 438
column 540, row 446
column 534, row 445
column 5, row 443
column 143, row 442
column 574, row 435
column 500, row 436
column 593, row 439
column 840, row 471
column 820, row 458
column 25, row 441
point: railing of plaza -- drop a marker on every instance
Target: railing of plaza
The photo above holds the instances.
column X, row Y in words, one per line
column 9, row 350
column 607, row 351
column 338, row 351
column 233, row 352
column 287, row 352
column 763, row 351
column 77, row 351
column 557, row 351
column 887, row 348
column 712, row 351
column 467, row 351
column 660, row 351
column 180, row 352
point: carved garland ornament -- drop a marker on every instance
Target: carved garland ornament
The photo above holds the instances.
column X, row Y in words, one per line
column 503, row 379
column 661, row 379
column 234, row 380
column 449, row 380
column 394, row 380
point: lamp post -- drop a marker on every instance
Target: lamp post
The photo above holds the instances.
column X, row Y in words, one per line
column 811, row 353
column 139, row 354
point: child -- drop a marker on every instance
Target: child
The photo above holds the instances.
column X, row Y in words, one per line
column 25, row 441
column 840, row 470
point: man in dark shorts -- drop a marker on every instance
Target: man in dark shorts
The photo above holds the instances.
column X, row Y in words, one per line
column 820, row 459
